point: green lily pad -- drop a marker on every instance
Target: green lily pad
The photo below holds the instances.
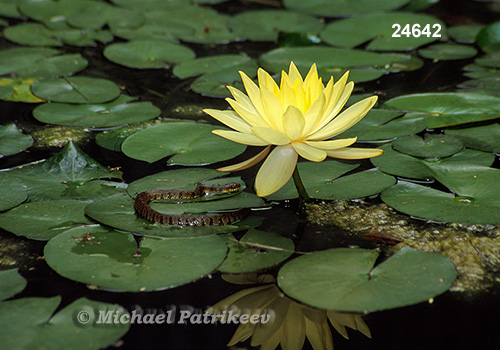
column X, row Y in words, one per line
column 115, row 113
column 488, row 38
column 340, row 8
column 97, row 14
column 189, row 143
column 147, row 53
column 8, row 8
column 76, row 90
column 381, row 124
column 346, row 280
column 14, row 193
column 264, row 25
column 447, row 109
column 52, row 67
column 12, row 140
column 31, row 323
column 379, row 30
column 431, row 146
column 149, row 31
column 465, row 33
column 44, row 220
column 211, row 64
column 483, row 138
column 486, row 86
column 112, row 260
column 256, row 250
column 475, row 199
column 34, row 34
column 445, row 52
column 419, row 5
column 19, row 58
column 62, row 175
column 400, row 164
column 335, row 61
column 11, row 283
column 17, row 90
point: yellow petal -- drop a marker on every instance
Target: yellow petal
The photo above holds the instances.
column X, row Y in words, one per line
column 272, row 108
column 230, row 118
column 278, row 309
column 294, row 328
column 273, row 342
column 308, row 152
column 276, row 170
column 243, row 332
column 354, row 153
column 246, row 139
column 332, row 144
column 345, row 120
column 253, row 92
column 362, row 327
column 294, row 122
column 266, row 80
column 315, row 114
column 271, row 136
column 247, row 163
column 249, row 115
column 227, row 302
column 318, row 335
column 294, row 74
column 286, row 96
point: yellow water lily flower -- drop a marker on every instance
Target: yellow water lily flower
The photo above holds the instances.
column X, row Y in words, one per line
column 299, row 117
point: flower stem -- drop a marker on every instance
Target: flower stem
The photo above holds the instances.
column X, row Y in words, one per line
column 303, row 196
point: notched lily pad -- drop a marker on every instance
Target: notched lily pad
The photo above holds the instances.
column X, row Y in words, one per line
column 431, row 146
column 76, row 90
column 448, row 52
column 483, row 138
column 118, row 112
column 114, row 261
column 346, row 279
column 189, row 143
column 34, row 323
column 12, row 140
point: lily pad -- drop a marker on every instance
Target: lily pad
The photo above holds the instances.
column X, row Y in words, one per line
column 11, row 283
column 379, row 28
column 256, row 250
column 447, row 52
column 341, row 8
column 488, row 38
column 18, row 90
column 483, row 138
column 381, row 124
column 32, row 323
column 465, row 33
column 189, row 143
column 486, row 86
column 12, row 140
column 34, row 34
column 114, row 261
column 97, row 14
column 52, row 67
column 431, row 146
column 115, row 113
column 346, row 280
column 76, row 90
column 211, row 64
column 44, row 220
column 14, row 193
column 447, row 109
column 62, row 175
column 400, row 164
column 264, row 25
column 147, row 53
column 19, row 58
column 475, row 199
column 335, row 61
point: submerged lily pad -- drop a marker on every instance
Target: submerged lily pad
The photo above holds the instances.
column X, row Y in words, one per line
column 378, row 30
column 339, row 8
column 400, row 164
column 256, row 250
column 114, row 261
column 115, row 113
column 18, row 90
column 11, row 283
column 32, row 323
column 147, row 53
column 483, row 138
column 446, row 109
column 431, row 146
column 76, row 90
column 475, row 197
column 264, row 25
column 446, row 52
column 322, row 181
column 381, row 124
column 363, row 65
column 189, row 143
column 346, row 280
column 12, row 140
column 60, row 176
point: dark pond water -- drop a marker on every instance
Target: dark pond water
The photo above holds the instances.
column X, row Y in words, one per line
column 453, row 321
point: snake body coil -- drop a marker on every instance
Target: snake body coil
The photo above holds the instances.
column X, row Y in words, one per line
column 141, row 204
